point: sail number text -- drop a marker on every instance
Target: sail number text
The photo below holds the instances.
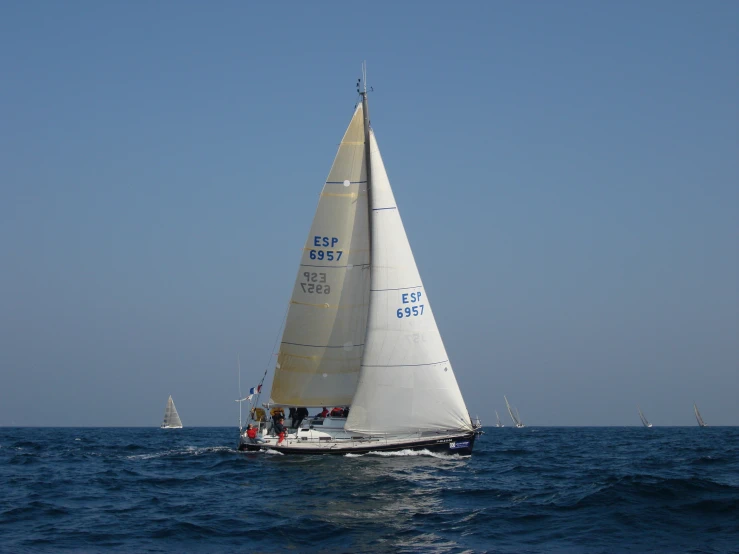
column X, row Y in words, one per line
column 415, row 309
column 330, row 255
column 316, row 283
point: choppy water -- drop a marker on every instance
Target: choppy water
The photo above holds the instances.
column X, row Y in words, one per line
column 524, row 490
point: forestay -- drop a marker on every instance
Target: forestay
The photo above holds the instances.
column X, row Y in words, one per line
column 323, row 341
column 407, row 383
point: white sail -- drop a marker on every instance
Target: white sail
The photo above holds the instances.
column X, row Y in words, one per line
column 516, row 419
column 407, row 383
column 643, row 418
column 323, row 341
column 701, row 423
column 171, row 417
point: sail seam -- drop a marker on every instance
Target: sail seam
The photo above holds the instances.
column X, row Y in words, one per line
column 333, row 266
column 406, row 365
column 401, row 288
column 318, row 345
column 326, row 305
column 342, row 182
column 380, row 209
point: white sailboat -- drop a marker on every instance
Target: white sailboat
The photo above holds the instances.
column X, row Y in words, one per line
column 171, row 417
column 360, row 332
column 643, row 418
column 701, row 423
column 498, row 422
column 515, row 417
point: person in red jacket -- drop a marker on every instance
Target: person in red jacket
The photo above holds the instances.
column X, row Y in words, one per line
column 251, row 433
column 324, row 413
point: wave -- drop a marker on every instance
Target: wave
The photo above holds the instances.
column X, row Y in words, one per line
column 570, row 490
column 676, row 492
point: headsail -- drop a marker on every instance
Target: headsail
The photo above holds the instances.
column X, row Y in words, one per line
column 701, row 423
column 515, row 417
column 643, row 418
column 323, row 341
column 171, row 417
column 407, row 382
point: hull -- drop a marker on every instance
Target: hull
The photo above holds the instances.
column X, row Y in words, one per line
column 457, row 444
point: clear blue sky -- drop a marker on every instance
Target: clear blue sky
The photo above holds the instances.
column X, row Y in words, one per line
column 567, row 173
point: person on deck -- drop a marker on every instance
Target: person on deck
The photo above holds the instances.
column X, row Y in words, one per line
column 293, row 416
column 251, row 433
column 337, row 412
column 345, row 413
column 324, row 413
column 280, row 430
column 300, row 414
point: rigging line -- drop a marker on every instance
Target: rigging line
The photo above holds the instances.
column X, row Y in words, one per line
column 266, row 369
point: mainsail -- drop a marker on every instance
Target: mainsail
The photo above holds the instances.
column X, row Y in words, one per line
column 701, row 423
column 323, row 341
column 407, row 383
column 171, row 417
column 643, row 418
column 515, row 417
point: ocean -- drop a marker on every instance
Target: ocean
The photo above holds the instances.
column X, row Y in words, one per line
column 538, row 489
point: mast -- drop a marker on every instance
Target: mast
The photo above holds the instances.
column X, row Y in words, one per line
column 367, row 148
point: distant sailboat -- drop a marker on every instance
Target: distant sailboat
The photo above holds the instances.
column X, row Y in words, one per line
column 171, row 417
column 701, row 423
column 515, row 417
column 498, row 424
column 643, row 419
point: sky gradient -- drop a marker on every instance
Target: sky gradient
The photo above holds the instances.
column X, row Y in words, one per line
column 567, row 173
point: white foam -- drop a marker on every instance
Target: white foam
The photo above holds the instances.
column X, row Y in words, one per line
column 423, row 452
column 192, row 450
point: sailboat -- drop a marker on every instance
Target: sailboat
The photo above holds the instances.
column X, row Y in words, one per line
column 360, row 333
column 515, row 417
column 498, row 422
column 171, row 417
column 643, row 419
column 701, row 423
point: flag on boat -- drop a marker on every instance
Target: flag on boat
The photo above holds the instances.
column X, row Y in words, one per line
column 255, row 390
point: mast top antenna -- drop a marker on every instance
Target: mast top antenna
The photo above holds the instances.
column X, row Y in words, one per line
column 362, row 80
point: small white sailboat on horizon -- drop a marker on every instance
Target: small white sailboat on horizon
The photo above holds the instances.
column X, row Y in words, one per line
column 701, row 423
column 360, row 334
column 515, row 417
column 171, row 417
column 498, row 422
column 643, row 418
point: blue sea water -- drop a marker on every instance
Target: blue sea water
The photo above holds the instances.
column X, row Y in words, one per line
column 523, row 490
